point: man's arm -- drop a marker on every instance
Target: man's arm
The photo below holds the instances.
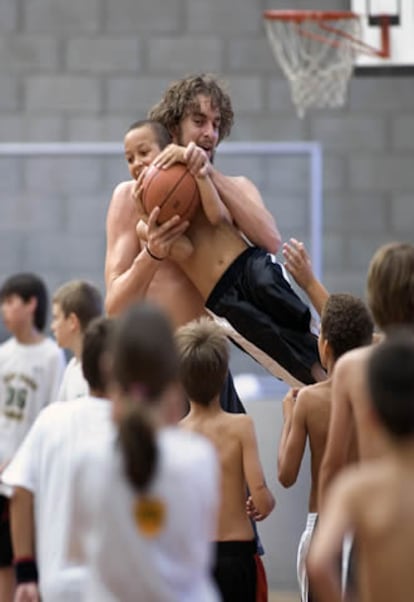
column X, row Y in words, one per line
column 262, row 497
column 340, row 427
column 245, row 204
column 334, row 523
column 298, row 264
column 129, row 268
column 293, row 438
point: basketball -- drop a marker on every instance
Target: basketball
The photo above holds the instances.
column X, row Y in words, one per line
column 174, row 190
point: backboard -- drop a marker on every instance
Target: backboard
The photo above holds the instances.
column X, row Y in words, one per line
column 401, row 34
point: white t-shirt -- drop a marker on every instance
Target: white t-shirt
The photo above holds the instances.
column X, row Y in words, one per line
column 30, row 376
column 74, row 383
column 44, row 464
column 173, row 565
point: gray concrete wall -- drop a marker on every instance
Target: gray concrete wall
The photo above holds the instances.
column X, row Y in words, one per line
column 84, row 70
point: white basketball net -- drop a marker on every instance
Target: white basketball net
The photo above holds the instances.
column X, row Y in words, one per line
column 317, row 57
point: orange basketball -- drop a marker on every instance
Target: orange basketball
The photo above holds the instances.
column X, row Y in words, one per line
column 174, row 190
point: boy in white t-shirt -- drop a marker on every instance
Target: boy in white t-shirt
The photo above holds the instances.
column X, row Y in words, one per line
column 74, row 305
column 31, row 369
column 42, row 476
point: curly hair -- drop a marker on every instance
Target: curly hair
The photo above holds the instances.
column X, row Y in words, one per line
column 346, row 323
column 180, row 99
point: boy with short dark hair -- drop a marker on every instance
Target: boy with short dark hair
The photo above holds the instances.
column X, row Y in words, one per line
column 375, row 500
column 31, row 369
column 345, row 324
column 74, row 305
column 204, row 355
column 42, row 477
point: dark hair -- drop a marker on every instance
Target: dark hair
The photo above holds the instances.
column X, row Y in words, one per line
column 390, row 285
column 145, row 363
column 28, row 286
column 391, row 383
column 80, row 298
column 346, row 323
column 97, row 343
column 204, row 358
column 162, row 135
column 180, row 99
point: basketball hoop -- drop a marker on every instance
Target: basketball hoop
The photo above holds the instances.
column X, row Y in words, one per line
column 316, row 51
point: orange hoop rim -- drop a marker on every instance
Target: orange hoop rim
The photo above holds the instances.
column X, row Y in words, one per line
column 299, row 16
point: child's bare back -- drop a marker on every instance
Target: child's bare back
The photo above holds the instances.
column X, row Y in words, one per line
column 230, row 434
column 376, row 501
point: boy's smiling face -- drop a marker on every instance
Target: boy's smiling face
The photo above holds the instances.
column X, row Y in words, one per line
column 141, row 148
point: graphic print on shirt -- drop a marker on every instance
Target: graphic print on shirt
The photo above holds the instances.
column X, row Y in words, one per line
column 18, row 388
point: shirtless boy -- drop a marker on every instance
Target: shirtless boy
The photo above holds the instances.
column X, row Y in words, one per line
column 346, row 324
column 204, row 354
column 390, row 296
column 375, row 500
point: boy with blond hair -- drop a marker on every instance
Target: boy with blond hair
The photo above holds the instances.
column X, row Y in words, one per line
column 74, row 305
column 204, row 356
column 375, row 500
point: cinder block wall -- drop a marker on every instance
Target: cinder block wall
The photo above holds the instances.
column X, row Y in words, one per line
column 84, row 70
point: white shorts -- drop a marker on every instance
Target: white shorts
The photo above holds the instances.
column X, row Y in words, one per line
column 303, row 548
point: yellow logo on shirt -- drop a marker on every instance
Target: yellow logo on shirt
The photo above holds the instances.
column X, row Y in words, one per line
column 149, row 513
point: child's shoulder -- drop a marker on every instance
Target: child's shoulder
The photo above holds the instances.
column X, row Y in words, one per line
column 310, row 395
column 241, row 423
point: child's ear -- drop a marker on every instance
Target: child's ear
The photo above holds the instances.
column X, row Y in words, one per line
column 74, row 321
column 324, row 351
column 32, row 302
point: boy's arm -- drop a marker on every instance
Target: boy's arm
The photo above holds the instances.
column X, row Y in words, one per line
column 333, row 524
column 262, row 497
column 340, row 428
column 22, row 531
column 129, row 268
column 298, row 264
column 293, row 438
